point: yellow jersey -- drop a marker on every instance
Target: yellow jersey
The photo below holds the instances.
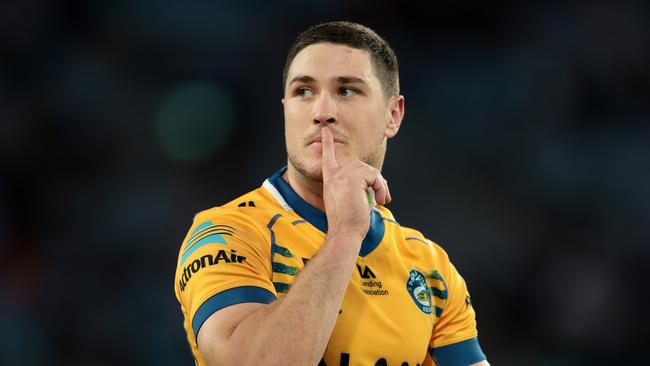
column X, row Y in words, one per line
column 405, row 304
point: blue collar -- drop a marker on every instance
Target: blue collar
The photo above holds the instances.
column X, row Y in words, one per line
column 318, row 218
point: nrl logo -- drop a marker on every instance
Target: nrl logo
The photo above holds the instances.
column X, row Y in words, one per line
column 419, row 291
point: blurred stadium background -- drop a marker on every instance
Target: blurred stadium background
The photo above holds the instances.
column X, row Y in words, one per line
column 525, row 152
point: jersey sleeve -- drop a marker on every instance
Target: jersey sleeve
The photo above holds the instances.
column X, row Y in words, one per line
column 454, row 340
column 224, row 260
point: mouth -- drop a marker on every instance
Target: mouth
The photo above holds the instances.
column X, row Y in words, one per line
column 320, row 142
column 317, row 141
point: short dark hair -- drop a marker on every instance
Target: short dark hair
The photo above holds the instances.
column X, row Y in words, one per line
column 353, row 35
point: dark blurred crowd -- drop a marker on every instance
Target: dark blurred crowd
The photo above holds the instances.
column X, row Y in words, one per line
column 524, row 153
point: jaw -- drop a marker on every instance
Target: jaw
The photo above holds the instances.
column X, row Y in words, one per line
column 307, row 161
column 309, row 171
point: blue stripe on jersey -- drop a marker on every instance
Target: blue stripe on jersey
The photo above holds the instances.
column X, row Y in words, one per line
column 283, row 268
column 233, row 296
column 210, row 239
column 390, row 220
column 439, row 311
column 281, row 287
column 416, row 238
column 270, row 226
column 441, row 294
column 318, row 218
column 374, row 235
column 458, row 354
column 281, row 250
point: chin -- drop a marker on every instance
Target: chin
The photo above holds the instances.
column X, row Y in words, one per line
column 311, row 171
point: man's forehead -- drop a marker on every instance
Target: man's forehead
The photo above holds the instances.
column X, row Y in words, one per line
column 330, row 61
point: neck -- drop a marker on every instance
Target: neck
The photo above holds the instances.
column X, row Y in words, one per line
column 307, row 189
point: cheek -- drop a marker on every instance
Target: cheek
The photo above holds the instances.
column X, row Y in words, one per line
column 294, row 117
column 370, row 131
column 295, row 137
column 291, row 136
column 294, row 110
column 290, row 125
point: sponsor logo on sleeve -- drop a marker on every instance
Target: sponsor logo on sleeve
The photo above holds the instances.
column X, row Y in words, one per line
column 206, row 233
column 221, row 256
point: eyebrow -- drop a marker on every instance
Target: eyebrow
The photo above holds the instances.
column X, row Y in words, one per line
column 302, row 79
column 340, row 79
column 350, row 80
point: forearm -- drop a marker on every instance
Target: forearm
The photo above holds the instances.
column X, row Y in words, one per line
column 295, row 330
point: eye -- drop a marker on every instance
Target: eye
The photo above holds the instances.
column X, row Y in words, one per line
column 347, row 92
column 304, row 92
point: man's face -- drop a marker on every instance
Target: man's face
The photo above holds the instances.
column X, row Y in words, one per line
column 336, row 86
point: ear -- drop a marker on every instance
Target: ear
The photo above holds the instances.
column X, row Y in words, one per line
column 395, row 117
column 282, row 100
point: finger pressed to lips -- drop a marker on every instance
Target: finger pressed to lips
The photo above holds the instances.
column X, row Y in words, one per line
column 318, row 136
column 331, row 167
column 328, row 159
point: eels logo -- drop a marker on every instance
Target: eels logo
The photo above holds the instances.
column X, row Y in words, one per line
column 419, row 291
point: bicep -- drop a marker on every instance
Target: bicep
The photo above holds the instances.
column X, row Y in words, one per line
column 221, row 277
column 213, row 338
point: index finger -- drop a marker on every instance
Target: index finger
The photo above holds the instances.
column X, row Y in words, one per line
column 328, row 156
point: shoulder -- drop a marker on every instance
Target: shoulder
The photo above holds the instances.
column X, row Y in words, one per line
column 246, row 218
column 252, row 209
column 413, row 237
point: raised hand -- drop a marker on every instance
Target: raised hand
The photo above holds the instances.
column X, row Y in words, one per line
column 344, row 189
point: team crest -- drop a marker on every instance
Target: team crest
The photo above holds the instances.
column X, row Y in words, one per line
column 419, row 291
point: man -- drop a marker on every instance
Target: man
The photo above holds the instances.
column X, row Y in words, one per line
column 310, row 268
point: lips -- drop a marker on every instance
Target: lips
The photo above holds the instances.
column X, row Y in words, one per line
column 319, row 140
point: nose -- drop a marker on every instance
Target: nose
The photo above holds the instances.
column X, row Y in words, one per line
column 325, row 109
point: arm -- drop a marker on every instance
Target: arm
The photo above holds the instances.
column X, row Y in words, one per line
column 295, row 329
column 482, row 363
column 454, row 340
column 298, row 325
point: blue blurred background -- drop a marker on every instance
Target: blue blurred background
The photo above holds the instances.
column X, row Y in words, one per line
column 524, row 152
